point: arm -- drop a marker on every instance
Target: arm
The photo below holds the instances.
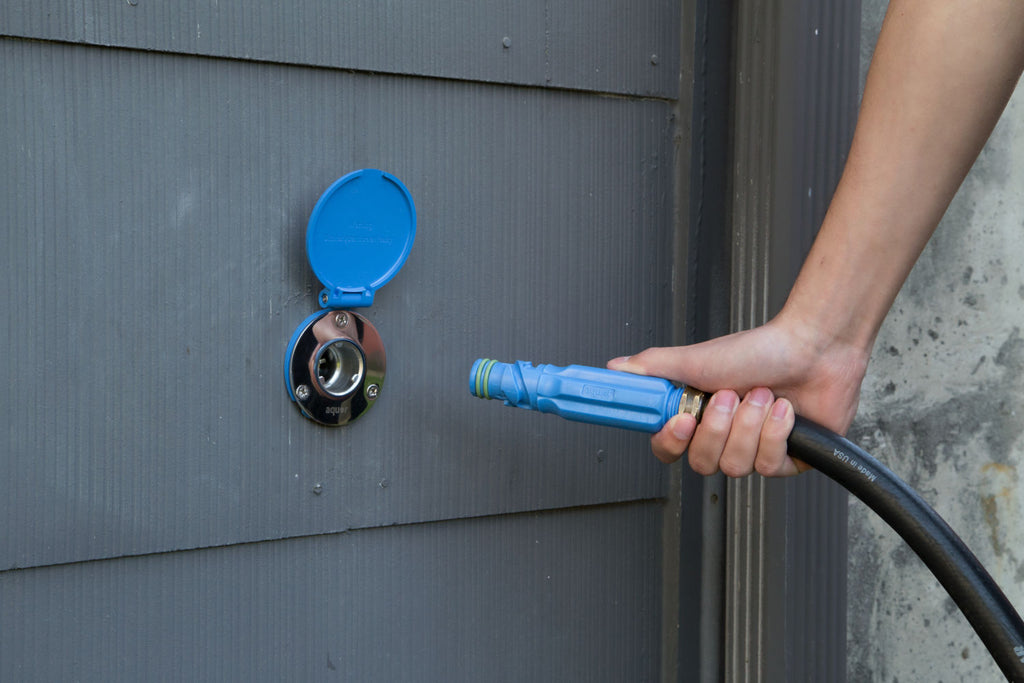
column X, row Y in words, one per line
column 941, row 75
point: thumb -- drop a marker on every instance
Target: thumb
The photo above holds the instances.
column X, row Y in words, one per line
column 710, row 365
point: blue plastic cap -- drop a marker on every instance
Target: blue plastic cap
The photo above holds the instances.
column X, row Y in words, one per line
column 359, row 235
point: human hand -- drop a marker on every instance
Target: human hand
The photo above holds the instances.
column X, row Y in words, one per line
column 760, row 378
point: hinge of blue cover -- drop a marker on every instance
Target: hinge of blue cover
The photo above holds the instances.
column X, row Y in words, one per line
column 345, row 298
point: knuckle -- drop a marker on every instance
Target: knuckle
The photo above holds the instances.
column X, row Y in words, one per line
column 735, row 467
column 701, row 467
column 702, row 463
column 765, row 467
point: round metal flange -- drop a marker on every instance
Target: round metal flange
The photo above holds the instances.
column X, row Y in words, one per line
column 335, row 367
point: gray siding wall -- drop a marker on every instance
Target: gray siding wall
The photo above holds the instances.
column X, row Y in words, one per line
column 505, row 599
column 167, row 512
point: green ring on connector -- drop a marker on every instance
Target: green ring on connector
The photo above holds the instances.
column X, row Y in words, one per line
column 479, row 372
column 487, row 377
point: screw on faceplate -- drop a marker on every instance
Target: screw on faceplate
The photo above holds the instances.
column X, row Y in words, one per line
column 372, row 391
column 302, row 392
column 323, row 298
column 341, row 319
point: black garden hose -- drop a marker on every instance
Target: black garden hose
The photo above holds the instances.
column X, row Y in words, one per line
column 953, row 564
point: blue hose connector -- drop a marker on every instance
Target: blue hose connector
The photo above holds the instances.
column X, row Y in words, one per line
column 585, row 394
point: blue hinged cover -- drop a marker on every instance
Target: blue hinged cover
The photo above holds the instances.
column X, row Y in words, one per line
column 359, row 235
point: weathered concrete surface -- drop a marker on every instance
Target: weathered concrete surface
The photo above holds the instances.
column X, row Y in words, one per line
column 943, row 406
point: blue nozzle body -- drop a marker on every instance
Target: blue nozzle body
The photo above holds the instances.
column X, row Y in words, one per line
column 584, row 394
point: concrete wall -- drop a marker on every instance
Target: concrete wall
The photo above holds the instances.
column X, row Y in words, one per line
column 943, row 406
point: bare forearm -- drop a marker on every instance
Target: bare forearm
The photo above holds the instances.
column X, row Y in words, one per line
column 940, row 77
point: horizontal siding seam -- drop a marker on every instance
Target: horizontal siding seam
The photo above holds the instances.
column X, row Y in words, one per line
column 630, row 97
column 341, row 532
